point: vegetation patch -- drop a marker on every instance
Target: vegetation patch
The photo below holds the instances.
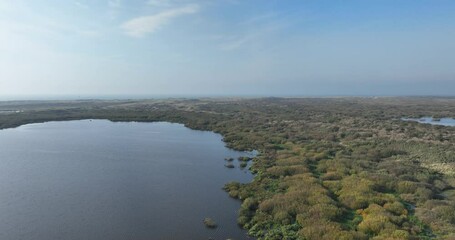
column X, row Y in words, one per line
column 229, row 165
column 209, row 223
column 341, row 168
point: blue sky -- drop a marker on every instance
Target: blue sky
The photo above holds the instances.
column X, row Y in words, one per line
column 227, row 47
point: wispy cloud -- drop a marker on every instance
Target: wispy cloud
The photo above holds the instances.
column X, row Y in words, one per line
column 159, row 3
column 140, row 26
column 113, row 8
column 81, row 5
column 41, row 27
column 254, row 32
column 233, row 43
column 114, row 3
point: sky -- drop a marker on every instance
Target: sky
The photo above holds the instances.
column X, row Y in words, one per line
column 227, row 47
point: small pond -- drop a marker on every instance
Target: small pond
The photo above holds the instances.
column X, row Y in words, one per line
column 432, row 121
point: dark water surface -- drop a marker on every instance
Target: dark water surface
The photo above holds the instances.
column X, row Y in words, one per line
column 103, row 180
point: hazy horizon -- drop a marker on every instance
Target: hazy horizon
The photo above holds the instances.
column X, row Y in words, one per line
column 187, row 96
column 201, row 48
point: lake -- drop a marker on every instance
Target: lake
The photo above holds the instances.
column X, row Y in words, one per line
column 430, row 120
column 95, row 179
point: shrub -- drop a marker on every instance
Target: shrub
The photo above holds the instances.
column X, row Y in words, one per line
column 396, row 208
column 243, row 165
column 406, row 187
column 210, row 223
column 229, row 165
